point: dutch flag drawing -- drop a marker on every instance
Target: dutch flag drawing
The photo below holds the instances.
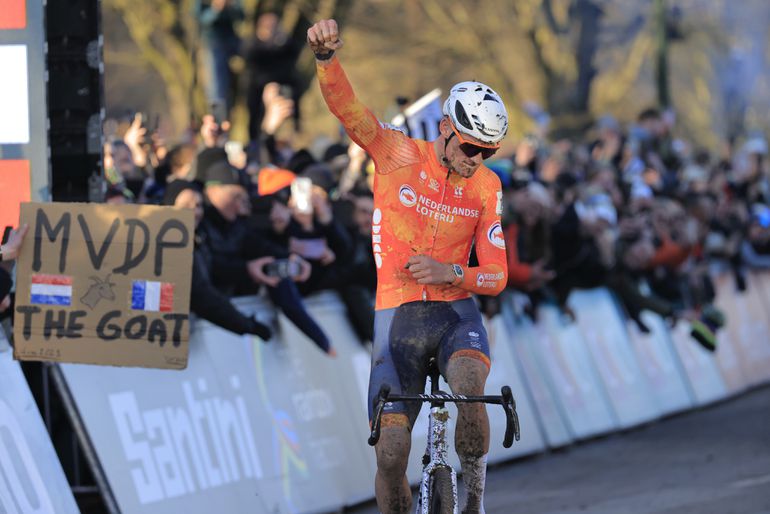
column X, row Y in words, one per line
column 51, row 290
column 147, row 295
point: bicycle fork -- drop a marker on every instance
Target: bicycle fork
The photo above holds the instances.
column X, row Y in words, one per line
column 436, row 457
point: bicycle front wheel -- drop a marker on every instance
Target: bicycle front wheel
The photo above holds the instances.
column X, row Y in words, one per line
column 442, row 495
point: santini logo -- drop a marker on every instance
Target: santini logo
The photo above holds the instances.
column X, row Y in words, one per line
column 198, row 444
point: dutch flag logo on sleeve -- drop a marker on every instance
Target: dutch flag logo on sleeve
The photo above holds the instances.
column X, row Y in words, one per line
column 147, row 295
column 51, row 290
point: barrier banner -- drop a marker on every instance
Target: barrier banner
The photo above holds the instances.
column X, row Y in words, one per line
column 564, row 358
column 699, row 364
column 31, row 478
column 745, row 333
column 315, row 394
column 660, row 365
column 247, row 427
column 730, row 354
column 550, row 420
column 606, row 338
column 505, row 372
column 763, row 281
column 104, row 284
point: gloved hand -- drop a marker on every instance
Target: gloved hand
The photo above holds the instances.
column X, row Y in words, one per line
column 260, row 330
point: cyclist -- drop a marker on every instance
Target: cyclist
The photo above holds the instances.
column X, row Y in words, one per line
column 433, row 200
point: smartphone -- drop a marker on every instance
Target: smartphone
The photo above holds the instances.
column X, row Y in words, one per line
column 219, row 110
column 301, row 190
column 286, row 91
column 283, row 268
column 233, row 149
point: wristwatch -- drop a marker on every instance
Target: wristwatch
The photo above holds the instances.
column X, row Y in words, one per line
column 459, row 274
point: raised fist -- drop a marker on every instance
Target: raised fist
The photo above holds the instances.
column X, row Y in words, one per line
column 324, row 37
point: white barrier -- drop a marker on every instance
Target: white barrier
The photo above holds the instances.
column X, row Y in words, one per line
column 31, row 478
column 551, row 422
column 660, row 363
column 748, row 325
column 606, row 337
column 564, row 360
column 281, row 427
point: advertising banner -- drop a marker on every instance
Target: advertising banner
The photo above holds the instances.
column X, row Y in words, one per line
column 564, row 357
column 524, row 340
column 746, row 361
column 249, row 426
column 661, row 365
column 31, row 478
column 700, row 366
column 606, row 338
column 104, row 284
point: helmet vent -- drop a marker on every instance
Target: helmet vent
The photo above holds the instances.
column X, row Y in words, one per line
column 461, row 116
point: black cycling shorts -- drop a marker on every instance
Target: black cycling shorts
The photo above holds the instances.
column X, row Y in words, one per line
column 406, row 337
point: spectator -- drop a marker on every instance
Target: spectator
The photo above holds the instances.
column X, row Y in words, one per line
column 206, row 300
column 217, row 21
column 356, row 279
column 240, row 255
column 271, row 56
column 9, row 251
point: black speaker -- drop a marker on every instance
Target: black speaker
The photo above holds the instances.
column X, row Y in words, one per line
column 75, row 98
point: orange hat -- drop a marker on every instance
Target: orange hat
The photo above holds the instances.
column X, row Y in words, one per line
column 271, row 180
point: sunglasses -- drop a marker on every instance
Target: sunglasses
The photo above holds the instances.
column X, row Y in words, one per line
column 471, row 149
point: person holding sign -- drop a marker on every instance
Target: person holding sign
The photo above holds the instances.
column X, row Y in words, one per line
column 8, row 252
column 10, row 249
column 432, row 201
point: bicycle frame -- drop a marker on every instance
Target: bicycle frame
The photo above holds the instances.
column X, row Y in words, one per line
column 435, row 457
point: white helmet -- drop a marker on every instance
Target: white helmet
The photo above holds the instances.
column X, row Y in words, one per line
column 476, row 110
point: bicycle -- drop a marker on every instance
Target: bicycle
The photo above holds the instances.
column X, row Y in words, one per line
column 438, row 488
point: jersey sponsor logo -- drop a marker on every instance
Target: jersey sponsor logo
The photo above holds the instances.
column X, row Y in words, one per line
column 499, row 206
column 495, row 235
column 473, row 334
column 488, row 280
column 407, row 195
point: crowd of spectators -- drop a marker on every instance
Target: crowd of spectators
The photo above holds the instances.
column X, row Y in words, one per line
column 635, row 210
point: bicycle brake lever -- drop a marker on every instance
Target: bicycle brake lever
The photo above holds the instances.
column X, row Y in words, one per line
column 512, row 429
column 382, row 399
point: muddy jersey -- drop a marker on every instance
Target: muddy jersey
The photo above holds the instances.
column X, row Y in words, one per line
column 420, row 207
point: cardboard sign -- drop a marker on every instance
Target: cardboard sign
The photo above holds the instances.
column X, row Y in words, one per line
column 104, row 284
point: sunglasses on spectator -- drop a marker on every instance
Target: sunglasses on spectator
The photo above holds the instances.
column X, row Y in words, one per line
column 473, row 149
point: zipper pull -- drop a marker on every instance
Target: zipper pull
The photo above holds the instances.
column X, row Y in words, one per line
column 424, row 295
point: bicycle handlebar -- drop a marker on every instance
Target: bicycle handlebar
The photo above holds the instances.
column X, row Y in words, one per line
column 512, row 428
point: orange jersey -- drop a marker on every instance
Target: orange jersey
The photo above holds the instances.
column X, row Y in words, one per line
column 420, row 208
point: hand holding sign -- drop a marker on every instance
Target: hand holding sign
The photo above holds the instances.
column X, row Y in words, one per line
column 10, row 249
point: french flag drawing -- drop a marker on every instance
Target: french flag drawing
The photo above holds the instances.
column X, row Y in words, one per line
column 147, row 295
column 51, row 290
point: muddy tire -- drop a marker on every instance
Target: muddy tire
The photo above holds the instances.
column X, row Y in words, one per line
column 442, row 498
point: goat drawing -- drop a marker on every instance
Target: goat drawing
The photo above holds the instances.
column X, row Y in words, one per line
column 98, row 290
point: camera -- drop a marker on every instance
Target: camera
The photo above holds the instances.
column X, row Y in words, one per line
column 283, row 268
